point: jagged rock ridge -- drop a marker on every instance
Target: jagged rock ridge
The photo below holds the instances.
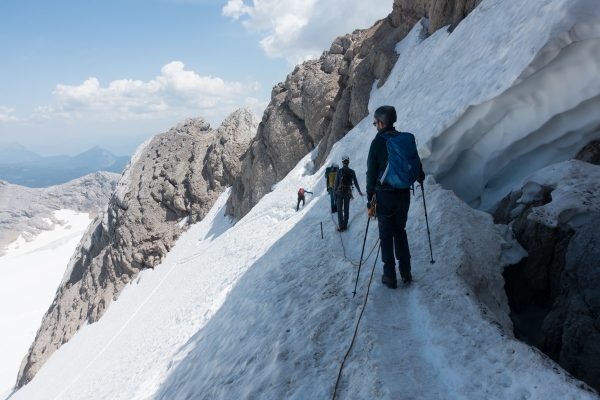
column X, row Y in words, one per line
column 322, row 100
column 173, row 179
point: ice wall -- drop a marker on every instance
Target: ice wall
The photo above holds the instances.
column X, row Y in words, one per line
column 514, row 88
column 546, row 117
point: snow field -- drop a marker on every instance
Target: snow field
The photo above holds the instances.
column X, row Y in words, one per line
column 30, row 272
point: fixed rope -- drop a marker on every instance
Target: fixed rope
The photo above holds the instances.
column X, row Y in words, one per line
column 337, row 382
column 354, row 263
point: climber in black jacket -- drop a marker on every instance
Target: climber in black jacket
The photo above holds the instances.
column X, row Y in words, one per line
column 343, row 191
column 392, row 203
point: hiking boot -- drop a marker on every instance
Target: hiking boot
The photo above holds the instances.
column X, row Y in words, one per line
column 406, row 277
column 389, row 281
column 342, row 229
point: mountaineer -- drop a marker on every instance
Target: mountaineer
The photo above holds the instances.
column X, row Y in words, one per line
column 343, row 192
column 301, row 197
column 330, row 173
column 393, row 166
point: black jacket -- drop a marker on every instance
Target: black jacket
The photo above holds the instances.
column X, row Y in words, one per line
column 338, row 180
column 377, row 162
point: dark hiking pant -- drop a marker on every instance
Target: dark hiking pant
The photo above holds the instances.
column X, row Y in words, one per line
column 343, row 210
column 392, row 211
column 332, row 198
column 300, row 199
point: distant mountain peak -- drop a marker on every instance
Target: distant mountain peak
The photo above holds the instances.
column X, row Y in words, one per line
column 26, row 168
column 14, row 152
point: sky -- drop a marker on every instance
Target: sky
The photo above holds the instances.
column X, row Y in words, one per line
column 74, row 74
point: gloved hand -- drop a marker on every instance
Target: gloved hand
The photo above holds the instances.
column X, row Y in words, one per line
column 371, row 207
column 371, row 212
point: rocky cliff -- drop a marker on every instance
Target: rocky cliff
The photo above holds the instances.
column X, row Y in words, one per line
column 171, row 181
column 321, row 100
column 26, row 211
column 554, row 293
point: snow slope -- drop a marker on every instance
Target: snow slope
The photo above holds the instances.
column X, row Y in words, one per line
column 264, row 309
column 514, row 88
column 30, row 272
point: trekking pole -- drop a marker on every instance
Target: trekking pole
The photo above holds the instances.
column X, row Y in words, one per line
column 361, row 256
column 427, row 223
column 321, row 229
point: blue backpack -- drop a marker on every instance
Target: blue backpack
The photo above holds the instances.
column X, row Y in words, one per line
column 404, row 165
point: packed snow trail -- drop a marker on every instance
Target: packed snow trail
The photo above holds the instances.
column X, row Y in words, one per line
column 423, row 342
column 404, row 371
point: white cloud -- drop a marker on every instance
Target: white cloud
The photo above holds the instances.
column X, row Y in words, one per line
column 235, row 9
column 6, row 114
column 176, row 91
column 301, row 29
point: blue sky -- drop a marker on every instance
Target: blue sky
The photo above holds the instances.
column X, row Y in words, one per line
column 79, row 73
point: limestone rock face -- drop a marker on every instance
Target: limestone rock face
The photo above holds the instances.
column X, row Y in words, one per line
column 449, row 12
column 554, row 293
column 28, row 211
column 440, row 12
column 572, row 328
column 172, row 180
column 321, row 100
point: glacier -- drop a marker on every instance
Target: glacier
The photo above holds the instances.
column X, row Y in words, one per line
column 30, row 271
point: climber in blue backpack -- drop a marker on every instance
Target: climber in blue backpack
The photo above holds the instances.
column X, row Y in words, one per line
column 393, row 166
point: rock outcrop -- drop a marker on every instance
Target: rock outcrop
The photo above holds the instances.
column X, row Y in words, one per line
column 27, row 211
column 554, row 294
column 590, row 153
column 440, row 12
column 172, row 180
column 321, row 100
